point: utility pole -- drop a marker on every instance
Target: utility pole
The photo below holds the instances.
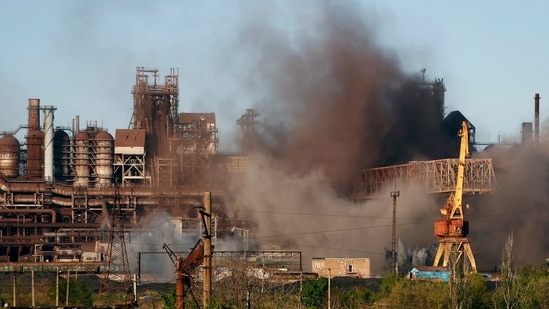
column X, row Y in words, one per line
column 32, row 287
column 536, row 119
column 57, row 287
column 207, row 220
column 394, row 195
column 67, row 288
column 329, row 288
column 300, row 288
column 14, row 287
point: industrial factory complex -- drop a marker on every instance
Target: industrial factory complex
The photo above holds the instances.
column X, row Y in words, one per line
column 71, row 197
column 64, row 191
column 61, row 185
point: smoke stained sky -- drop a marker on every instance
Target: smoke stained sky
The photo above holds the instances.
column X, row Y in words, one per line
column 280, row 58
column 81, row 56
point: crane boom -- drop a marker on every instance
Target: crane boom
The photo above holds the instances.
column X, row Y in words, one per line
column 457, row 210
column 170, row 252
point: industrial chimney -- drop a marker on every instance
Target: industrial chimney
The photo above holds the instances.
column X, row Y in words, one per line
column 48, row 142
column 536, row 118
column 35, row 141
column 527, row 134
column 34, row 114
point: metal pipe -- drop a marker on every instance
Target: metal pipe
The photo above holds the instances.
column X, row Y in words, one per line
column 31, row 211
column 23, row 200
column 65, row 190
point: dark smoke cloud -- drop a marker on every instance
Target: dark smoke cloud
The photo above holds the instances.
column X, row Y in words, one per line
column 303, row 212
column 332, row 98
column 333, row 102
column 519, row 206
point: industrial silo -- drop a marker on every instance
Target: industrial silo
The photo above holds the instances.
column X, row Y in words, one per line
column 10, row 150
column 35, row 153
column 61, row 155
column 103, row 148
column 81, row 159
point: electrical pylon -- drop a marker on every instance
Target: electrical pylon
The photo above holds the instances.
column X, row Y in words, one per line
column 116, row 276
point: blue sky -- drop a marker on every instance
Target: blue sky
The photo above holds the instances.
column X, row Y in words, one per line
column 80, row 56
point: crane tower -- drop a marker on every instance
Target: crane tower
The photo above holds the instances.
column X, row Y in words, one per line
column 452, row 231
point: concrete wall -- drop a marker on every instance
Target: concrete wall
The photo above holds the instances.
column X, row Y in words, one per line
column 342, row 267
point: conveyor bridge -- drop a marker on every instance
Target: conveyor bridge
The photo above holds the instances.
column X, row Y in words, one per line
column 436, row 176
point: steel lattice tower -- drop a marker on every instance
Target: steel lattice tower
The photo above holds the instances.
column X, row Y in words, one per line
column 116, row 276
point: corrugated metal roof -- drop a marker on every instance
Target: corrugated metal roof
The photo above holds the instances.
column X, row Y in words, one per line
column 129, row 138
column 431, row 268
column 430, row 273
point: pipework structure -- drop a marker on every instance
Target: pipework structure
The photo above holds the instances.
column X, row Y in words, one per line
column 60, row 186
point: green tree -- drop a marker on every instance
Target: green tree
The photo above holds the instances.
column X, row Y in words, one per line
column 480, row 296
column 508, row 291
column 79, row 293
column 389, row 282
column 356, row 298
column 533, row 282
column 315, row 292
column 168, row 299
column 417, row 294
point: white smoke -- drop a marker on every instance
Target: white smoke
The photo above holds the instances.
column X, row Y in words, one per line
column 159, row 229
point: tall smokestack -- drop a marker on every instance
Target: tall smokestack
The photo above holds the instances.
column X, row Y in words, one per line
column 527, row 134
column 48, row 142
column 76, row 124
column 34, row 114
column 536, row 118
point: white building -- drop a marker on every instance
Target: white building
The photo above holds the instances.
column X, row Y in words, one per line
column 342, row 267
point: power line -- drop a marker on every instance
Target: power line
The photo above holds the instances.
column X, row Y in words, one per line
column 336, row 231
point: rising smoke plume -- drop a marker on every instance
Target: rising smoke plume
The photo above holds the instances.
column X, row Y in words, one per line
column 519, row 206
column 157, row 229
column 332, row 98
column 333, row 101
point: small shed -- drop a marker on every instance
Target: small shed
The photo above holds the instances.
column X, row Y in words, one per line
column 342, row 267
column 434, row 273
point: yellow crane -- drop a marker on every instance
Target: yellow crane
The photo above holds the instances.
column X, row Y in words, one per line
column 452, row 231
